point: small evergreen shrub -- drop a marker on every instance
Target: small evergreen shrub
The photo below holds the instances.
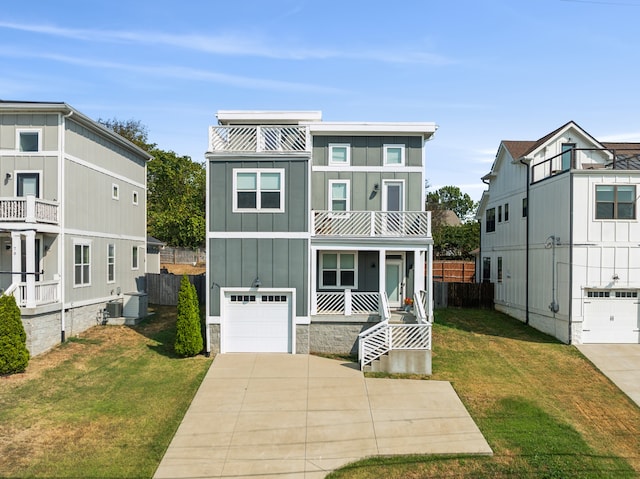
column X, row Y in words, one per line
column 14, row 354
column 188, row 334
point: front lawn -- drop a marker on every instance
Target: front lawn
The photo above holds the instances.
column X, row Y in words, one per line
column 544, row 409
column 105, row 404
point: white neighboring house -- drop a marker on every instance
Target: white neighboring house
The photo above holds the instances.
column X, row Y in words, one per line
column 560, row 235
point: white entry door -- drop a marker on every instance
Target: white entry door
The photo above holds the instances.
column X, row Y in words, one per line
column 394, row 281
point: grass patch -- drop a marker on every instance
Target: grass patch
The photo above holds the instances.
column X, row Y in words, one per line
column 105, row 404
column 546, row 411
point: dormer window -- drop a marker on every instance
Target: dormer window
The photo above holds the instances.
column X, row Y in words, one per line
column 28, row 140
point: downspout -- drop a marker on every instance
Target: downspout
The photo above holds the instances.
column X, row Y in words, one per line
column 526, row 289
column 62, row 243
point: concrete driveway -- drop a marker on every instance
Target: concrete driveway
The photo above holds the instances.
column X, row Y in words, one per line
column 619, row 362
column 300, row 416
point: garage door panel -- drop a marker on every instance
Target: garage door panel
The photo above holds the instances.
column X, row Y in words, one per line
column 257, row 323
column 611, row 320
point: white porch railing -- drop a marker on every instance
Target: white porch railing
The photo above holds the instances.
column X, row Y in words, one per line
column 258, row 139
column 28, row 209
column 385, row 336
column 372, row 223
column 46, row 292
column 347, row 302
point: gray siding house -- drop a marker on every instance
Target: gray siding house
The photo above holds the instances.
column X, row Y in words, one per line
column 315, row 229
column 73, row 214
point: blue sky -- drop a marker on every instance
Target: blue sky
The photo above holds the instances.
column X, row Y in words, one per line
column 484, row 71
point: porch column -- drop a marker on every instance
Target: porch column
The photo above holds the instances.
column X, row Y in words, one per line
column 313, row 283
column 429, row 283
column 419, row 271
column 30, row 240
column 16, row 256
column 382, row 270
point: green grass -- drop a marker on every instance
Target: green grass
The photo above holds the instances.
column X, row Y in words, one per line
column 543, row 408
column 105, row 404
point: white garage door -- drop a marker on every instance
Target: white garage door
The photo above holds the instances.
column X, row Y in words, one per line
column 611, row 317
column 257, row 323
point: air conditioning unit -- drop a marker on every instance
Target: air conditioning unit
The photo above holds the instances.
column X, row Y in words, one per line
column 114, row 309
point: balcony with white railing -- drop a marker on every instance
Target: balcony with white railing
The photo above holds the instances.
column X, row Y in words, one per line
column 372, row 224
column 28, row 209
column 259, row 139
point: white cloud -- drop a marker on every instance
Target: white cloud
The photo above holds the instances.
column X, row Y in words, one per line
column 234, row 44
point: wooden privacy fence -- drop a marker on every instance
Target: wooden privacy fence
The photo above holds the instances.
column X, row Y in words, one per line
column 172, row 255
column 163, row 288
column 463, row 295
column 454, row 271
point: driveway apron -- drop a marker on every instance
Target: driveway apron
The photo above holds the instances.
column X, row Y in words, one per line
column 302, row 416
column 619, row 362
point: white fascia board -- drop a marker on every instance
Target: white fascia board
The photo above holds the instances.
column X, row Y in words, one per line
column 261, row 117
column 425, row 129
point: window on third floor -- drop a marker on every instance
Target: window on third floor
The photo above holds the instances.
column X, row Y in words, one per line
column 490, row 222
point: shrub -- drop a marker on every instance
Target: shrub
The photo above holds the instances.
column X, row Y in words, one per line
column 188, row 334
column 14, row 354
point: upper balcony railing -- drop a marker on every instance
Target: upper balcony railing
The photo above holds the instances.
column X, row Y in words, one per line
column 372, row 224
column 259, row 139
column 28, row 209
column 586, row 159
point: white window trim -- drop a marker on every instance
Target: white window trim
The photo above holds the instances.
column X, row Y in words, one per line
column 15, row 181
column 330, row 194
column 28, row 130
column 403, row 153
column 135, row 197
column 339, row 145
column 385, row 196
column 258, row 208
column 79, row 242
column 114, row 263
column 135, row 266
column 338, row 269
column 115, row 191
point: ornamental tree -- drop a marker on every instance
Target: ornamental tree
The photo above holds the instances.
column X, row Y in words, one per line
column 188, row 334
column 14, row 354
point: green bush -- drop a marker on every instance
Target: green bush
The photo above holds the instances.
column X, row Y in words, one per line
column 14, row 354
column 188, row 334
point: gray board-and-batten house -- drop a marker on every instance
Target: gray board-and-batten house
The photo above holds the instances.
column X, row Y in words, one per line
column 72, row 219
column 314, row 229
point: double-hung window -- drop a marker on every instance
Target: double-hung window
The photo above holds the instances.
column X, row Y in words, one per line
column 616, row 202
column 111, row 263
column 82, row 264
column 491, row 220
column 393, row 155
column 339, row 195
column 258, row 190
column 340, row 154
column 338, row 270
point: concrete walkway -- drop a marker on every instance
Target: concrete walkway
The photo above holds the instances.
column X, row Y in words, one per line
column 299, row 416
column 619, row 362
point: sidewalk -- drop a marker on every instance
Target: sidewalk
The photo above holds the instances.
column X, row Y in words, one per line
column 299, row 416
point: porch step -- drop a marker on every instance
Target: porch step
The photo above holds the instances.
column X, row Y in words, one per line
column 402, row 361
column 402, row 317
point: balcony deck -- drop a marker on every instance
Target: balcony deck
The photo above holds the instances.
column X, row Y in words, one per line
column 372, row 224
column 28, row 209
column 259, row 139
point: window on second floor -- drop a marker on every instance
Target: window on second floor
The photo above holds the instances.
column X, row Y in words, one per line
column 525, row 207
column 115, row 191
column 340, row 154
column 258, row 190
column 28, row 140
column 393, row 155
column 616, row 202
column 339, row 195
column 491, row 220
